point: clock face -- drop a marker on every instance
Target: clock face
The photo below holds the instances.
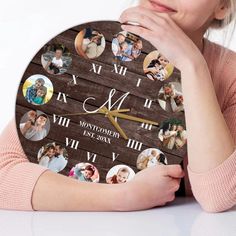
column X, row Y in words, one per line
column 99, row 104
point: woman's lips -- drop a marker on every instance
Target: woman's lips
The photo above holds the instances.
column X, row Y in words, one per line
column 161, row 8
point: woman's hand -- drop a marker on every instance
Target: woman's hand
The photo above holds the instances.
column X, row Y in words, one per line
column 163, row 33
column 153, row 186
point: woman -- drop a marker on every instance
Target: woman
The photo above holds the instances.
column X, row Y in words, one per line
column 47, row 155
column 177, row 31
column 36, row 131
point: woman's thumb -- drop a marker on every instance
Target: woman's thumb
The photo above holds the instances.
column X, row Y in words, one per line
column 174, row 171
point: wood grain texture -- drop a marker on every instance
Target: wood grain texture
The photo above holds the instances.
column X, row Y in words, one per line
column 99, row 86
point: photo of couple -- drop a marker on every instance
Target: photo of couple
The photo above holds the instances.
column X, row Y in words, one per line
column 85, row 172
column 37, row 90
column 35, row 125
column 56, row 59
column 157, row 67
column 151, row 157
column 90, row 43
column 119, row 174
column 172, row 134
column 170, row 97
column 126, row 46
column 53, row 156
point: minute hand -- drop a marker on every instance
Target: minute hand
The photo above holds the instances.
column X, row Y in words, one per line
column 133, row 118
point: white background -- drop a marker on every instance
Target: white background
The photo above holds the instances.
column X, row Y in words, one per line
column 26, row 25
column 183, row 218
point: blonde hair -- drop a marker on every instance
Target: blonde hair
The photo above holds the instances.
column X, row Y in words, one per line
column 231, row 5
column 228, row 24
column 227, row 27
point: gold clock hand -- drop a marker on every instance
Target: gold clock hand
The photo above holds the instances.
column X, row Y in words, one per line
column 133, row 118
column 80, row 114
column 115, row 124
column 120, row 111
column 98, row 112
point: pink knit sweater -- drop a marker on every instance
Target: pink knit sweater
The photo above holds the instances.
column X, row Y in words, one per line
column 215, row 190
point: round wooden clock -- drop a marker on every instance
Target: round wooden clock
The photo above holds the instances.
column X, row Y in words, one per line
column 99, row 104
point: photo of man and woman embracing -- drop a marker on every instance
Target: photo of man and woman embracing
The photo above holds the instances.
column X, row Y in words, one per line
column 34, row 125
column 53, row 156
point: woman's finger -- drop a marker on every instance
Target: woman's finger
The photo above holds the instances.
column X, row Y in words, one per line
column 142, row 20
column 155, row 16
column 139, row 30
column 176, row 184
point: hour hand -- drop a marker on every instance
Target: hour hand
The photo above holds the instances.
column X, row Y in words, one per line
column 115, row 124
column 100, row 111
column 134, row 118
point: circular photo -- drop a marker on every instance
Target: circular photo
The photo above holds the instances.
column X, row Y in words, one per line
column 34, row 125
column 56, row 59
column 38, row 90
column 172, row 134
column 151, row 157
column 126, row 46
column 119, row 174
column 85, row 172
column 53, row 156
column 157, row 67
column 170, row 97
column 90, row 43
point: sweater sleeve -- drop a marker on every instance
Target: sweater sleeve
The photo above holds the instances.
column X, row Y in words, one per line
column 215, row 190
column 18, row 176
